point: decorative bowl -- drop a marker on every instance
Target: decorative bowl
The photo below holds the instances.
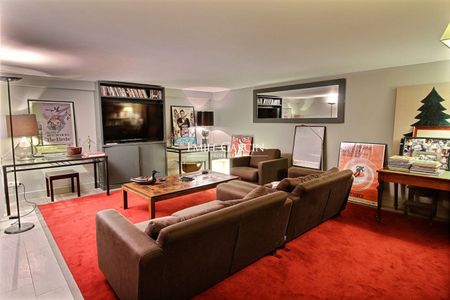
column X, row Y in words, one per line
column 73, row 151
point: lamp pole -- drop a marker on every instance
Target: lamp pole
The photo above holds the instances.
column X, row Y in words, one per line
column 16, row 227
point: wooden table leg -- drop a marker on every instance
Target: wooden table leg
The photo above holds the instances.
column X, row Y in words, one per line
column 125, row 199
column 396, row 196
column 380, row 199
column 151, row 208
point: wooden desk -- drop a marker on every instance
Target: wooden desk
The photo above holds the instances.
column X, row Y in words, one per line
column 441, row 182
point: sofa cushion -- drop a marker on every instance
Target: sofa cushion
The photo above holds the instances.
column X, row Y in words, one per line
column 263, row 155
column 198, row 210
column 142, row 225
column 245, row 173
column 255, row 193
column 288, row 184
column 156, row 225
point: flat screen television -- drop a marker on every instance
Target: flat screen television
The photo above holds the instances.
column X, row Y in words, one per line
column 133, row 121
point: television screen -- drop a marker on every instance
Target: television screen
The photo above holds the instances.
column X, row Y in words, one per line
column 137, row 121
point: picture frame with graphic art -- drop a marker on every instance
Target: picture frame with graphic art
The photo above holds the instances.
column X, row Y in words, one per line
column 56, row 122
column 241, row 145
column 183, row 125
column 363, row 159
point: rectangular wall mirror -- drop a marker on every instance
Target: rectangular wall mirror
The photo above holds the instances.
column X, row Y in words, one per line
column 314, row 102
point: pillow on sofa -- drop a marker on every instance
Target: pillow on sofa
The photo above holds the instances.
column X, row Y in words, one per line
column 255, row 193
column 156, row 225
column 198, row 210
column 289, row 184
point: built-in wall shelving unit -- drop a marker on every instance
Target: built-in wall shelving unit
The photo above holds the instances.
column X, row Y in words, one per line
column 129, row 155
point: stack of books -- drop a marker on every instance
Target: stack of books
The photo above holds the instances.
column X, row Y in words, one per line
column 399, row 163
column 426, row 167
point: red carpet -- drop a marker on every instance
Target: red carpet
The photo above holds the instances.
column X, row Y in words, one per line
column 350, row 257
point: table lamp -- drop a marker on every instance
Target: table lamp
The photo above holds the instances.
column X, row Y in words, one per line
column 24, row 126
column 205, row 119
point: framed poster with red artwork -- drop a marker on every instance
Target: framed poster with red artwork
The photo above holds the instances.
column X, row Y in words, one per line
column 241, row 145
column 364, row 159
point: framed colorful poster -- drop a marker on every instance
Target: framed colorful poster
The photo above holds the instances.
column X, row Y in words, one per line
column 183, row 125
column 364, row 159
column 307, row 150
column 56, row 122
column 241, row 145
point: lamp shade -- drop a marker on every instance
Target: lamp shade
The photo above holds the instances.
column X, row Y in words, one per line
column 23, row 125
column 205, row 118
column 446, row 36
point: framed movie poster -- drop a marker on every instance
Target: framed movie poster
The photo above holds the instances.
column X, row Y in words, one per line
column 56, row 122
column 364, row 159
column 241, row 145
column 307, row 150
column 183, row 125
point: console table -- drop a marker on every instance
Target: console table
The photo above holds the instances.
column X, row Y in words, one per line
column 50, row 163
column 441, row 182
column 180, row 150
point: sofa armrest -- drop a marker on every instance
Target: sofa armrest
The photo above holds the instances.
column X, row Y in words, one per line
column 242, row 161
column 131, row 261
column 272, row 170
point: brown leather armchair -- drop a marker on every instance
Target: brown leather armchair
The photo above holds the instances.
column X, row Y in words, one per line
column 262, row 167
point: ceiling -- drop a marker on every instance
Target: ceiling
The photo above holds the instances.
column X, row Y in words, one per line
column 216, row 44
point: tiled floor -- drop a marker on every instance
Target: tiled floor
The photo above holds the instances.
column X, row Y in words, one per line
column 31, row 266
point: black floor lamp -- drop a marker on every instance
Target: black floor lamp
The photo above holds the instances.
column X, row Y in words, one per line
column 16, row 227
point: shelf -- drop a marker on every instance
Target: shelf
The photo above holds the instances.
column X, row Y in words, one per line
column 129, row 98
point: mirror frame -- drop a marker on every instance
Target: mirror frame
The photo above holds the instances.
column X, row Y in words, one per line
column 341, row 82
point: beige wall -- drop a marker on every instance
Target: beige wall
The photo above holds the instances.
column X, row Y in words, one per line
column 84, row 97
column 369, row 110
column 31, row 87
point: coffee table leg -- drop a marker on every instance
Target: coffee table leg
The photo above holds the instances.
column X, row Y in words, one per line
column 151, row 208
column 125, row 199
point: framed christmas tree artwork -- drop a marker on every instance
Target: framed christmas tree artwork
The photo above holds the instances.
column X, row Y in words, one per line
column 422, row 111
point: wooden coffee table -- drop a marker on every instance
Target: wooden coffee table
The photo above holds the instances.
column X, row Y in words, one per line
column 173, row 187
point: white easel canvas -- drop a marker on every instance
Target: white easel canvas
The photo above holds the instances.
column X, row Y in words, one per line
column 308, row 146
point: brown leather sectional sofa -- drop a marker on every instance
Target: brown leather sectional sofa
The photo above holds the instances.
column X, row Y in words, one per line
column 191, row 256
column 313, row 201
